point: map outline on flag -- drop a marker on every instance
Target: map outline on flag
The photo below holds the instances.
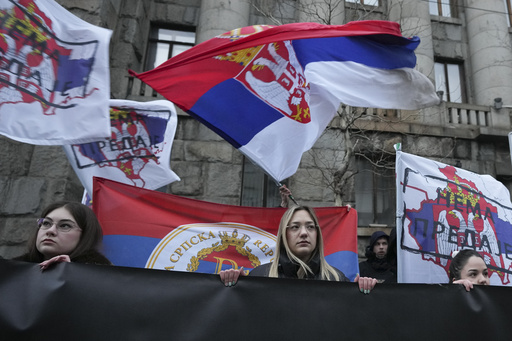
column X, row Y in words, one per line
column 54, row 77
column 442, row 209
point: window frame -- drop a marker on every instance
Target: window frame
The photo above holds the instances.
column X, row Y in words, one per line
column 379, row 194
column 508, row 9
column 462, row 80
column 268, row 189
column 153, row 41
column 362, row 2
column 452, row 4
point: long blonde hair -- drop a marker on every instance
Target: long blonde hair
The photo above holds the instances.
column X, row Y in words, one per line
column 327, row 272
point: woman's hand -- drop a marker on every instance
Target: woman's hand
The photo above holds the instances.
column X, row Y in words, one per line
column 366, row 284
column 466, row 283
column 57, row 259
column 230, row 277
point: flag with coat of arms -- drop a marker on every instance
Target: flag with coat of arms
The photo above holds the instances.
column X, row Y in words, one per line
column 138, row 150
column 54, row 75
column 270, row 91
column 442, row 209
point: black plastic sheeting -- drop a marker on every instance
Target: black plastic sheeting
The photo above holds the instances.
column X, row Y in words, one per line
column 91, row 302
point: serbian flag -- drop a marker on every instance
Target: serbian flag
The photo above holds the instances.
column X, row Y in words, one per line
column 442, row 209
column 138, row 151
column 54, row 75
column 270, row 91
column 149, row 229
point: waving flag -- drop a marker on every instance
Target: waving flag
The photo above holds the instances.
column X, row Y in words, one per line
column 271, row 91
column 138, row 151
column 144, row 228
column 54, row 75
column 441, row 209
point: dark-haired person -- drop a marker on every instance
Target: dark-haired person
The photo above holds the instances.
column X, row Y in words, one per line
column 299, row 253
column 377, row 264
column 66, row 232
column 468, row 268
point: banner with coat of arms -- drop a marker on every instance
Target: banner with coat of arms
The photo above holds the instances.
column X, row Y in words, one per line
column 54, row 75
column 150, row 229
column 441, row 209
column 138, row 151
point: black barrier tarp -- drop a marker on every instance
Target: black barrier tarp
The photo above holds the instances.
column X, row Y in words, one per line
column 89, row 302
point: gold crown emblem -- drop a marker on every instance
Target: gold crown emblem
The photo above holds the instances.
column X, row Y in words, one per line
column 233, row 239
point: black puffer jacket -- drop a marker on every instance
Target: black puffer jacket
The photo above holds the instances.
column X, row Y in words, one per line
column 288, row 269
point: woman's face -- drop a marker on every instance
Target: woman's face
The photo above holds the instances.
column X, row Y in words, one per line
column 475, row 271
column 58, row 234
column 301, row 234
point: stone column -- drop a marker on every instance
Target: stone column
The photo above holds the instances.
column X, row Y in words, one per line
column 219, row 16
column 490, row 51
column 317, row 11
column 414, row 18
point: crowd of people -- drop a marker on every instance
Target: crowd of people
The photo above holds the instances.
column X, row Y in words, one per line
column 70, row 232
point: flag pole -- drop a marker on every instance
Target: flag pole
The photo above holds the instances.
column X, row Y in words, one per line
column 289, row 196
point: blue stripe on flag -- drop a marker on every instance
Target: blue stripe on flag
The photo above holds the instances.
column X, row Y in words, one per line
column 345, row 261
column 224, row 110
column 364, row 50
column 132, row 251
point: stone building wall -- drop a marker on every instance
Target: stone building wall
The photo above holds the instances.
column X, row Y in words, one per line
column 31, row 177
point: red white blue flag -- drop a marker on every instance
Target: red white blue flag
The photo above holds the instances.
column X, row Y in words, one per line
column 54, row 75
column 270, row 91
column 441, row 209
column 150, row 229
column 138, row 151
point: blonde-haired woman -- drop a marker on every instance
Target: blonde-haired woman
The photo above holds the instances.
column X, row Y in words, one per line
column 299, row 253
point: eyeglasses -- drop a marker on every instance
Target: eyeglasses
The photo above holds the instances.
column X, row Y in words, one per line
column 62, row 225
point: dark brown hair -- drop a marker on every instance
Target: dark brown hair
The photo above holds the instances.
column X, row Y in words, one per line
column 91, row 235
column 459, row 261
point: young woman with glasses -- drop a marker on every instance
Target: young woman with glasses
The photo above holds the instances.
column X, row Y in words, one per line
column 299, row 253
column 66, row 232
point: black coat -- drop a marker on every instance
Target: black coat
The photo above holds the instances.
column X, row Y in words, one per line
column 288, row 269
column 89, row 257
column 380, row 269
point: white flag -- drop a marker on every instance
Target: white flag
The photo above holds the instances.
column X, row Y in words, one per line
column 54, row 75
column 138, row 151
column 441, row 209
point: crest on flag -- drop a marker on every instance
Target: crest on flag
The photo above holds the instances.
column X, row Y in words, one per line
column 446, row 209
column 138, row 150
column 158, row 230
column 284, row 84
column 273, row 74
column 210, row 248
column 54, row 77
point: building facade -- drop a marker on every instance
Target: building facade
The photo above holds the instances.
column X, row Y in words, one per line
column 465, row 50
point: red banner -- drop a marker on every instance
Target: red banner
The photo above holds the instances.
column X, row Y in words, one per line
column 144, row 228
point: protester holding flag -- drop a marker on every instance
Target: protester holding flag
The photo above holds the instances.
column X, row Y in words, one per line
column 299, row 253
column 67, row 232
column 468, row 268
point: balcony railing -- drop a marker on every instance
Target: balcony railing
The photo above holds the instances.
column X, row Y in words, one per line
column 465, row 114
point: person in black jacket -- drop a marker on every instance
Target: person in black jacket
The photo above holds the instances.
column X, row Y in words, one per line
column 378, row 265
column 66, row 232
column 299, row 253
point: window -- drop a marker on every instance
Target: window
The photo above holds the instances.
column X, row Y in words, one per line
column 449, row 80
column 258, row 189
column 166, row 43
column 443, row 8
column 365, row 2
column 375, row 194
column 508, row 11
